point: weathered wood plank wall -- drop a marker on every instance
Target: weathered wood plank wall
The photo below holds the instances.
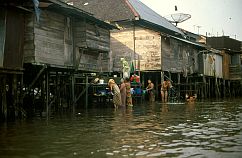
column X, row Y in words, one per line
column 29, row 52
column 91, row 36
column 14, row 39
column 178, row 56
column 50, row 40
column 226, row 63
column 122, row 46
column 140, row 44
column 68, row 43
column 148, row 49
column 166, row 53
column 97, row 38
column 95, row 43
column 79, row 31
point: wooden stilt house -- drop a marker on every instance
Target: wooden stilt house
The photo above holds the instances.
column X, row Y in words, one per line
column 66, row 37
column 145, row 38
column 232, row 72
column 11, row 57
column 56, row 42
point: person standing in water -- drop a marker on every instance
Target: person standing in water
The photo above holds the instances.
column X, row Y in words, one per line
column 123, row 92
column 128, row 92
column 164, row 91
column 116, row 93
column 151, row 91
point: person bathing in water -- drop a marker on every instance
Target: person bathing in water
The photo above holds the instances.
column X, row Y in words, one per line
column 116, row 93
column 191, row 98
column 151, row 91
column 165, row 88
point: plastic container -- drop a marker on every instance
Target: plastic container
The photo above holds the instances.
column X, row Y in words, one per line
column 138, row 91
column 101, row 81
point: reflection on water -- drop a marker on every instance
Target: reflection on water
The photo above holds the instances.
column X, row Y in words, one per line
column 202, row 129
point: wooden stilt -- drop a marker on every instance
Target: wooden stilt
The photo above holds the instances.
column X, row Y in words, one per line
column 143, row 79
column 186, row 87
column 43, row 92
column 195, row 86
column 21, row 99
column 35, row 79
column 179, row 85
column 86, row 96
column 224, row 88
column 209, row 87
column 4, row 99
column 57, row 91
column 229, row 89
column 73, row 93
column 203, row 88
column 47, row 93
column 156, row 86
column 15, row 96
column 169, row 91
column 215, row 87
column 219, row 87
column 1, row 97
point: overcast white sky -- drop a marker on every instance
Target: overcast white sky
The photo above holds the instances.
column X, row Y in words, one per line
column 214, row 16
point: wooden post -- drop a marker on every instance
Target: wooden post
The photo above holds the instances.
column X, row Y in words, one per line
column 73, row 93
column 156, row 87
column 203, row 88
column 1, row 97
column 4, row 99
column 224, row 88
column 47, row 93
column 143, row 79
column 215, row 87
column 168, row 92
column 86, row 103
column 209, row 93
column 191, row 85
column 43, row 91
column 186, row 86
column 229, row 88
column 15, row 96
column 21, row 99
column 57, row 91
column 219, row 87
column 195, row 86
column 179, row 85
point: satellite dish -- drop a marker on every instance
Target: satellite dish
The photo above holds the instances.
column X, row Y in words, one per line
column 178, row 17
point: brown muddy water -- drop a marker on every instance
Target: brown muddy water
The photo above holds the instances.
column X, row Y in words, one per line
column 204, row 129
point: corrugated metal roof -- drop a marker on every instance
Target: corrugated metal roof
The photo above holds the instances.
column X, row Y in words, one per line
column 190, row 42
column 59, row 5
column 110, row 10
column 149, row 15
